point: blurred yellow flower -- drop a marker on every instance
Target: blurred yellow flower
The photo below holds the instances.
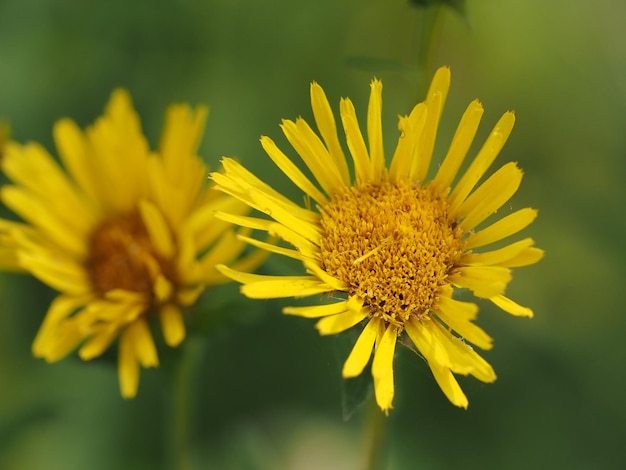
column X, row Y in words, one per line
column 396, row 244
column 125, row 234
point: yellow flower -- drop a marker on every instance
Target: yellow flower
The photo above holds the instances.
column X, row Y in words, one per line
column 125, row 234
column 396, row 244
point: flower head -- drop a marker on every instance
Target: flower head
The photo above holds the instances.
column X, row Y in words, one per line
column 125, row 234
column 395, row 243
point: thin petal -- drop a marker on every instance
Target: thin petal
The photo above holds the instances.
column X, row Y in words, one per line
column 337, row 323
column 503, row 228
column 158, row 230
column 463, row 359
column 259, row 286
column 286, row 216
column 483, row 160
column 461, row 142
column 325, row 120
column 465, row 328
column 362, row 350
column 449, row 386
column 511, row 307
column 143, row 344
column 73, row 150
column 489, row 196
column 411, row 129
column 62, row 274
column 426, row 141
column 317, row 311
column 128, row 366
column 272, row 248
column 98, row 343
column 172, row 324
column 313, row 154
column 354, row 139
column 421, row 336
column 375, row 130
column 35, row 211
column 435, row 99
column 382, row 368
column 291, row 170
column 526, row 257
column 483, row 281
column 496, row 257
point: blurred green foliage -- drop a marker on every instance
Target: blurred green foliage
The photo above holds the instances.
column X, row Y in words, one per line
column 267, row 389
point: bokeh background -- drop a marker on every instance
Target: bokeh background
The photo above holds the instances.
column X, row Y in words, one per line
column 266, row 388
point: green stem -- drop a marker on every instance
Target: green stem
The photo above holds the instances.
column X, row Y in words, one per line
column 184, row 373
column 376, row 425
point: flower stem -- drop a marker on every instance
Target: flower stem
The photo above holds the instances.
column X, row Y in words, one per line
column 375, row 429
column 184, row 372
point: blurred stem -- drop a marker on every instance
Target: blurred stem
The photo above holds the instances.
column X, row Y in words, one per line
column 429, row 28
column 184, row 373
column 376, row 425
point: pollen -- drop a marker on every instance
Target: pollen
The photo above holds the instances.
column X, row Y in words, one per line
column 393, row 244
column 121, row 256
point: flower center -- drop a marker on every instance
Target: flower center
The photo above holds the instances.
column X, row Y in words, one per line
column 121, row 256
column 393, row 244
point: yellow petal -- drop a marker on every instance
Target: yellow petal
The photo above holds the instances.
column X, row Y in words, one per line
column 420, row 334
column 98, row 343
column 35, row 170
column 411, row 128
column 483, row 281
column 143, row 344
column 258, row 286
column 73, row 151
column 526, row 257
column 426, row 142
column 435, row 99
column 62, row 274
column 465, row 328
column 375, row 130
column 181, row 135
column 337, row 323
column 272, row 248
column 291, row 170
column 313, row 153
column 128, row 366
column 204, row 226
column 461, row 142
column 317, row 311
column 503, row 228
column 382, row 368
column 489, row 196
column 483, row 160
column 362, row 350
column 496, row 257
column 354, row 139
column 286, row 216
column 463, row 359
column 449, row 386
column 325, row 121
column 35, row 211
column 511, row 307
column 60, row 309
column 172, row 324
column 158, row 230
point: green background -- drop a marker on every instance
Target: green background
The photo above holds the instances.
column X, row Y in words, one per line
column 266, row 388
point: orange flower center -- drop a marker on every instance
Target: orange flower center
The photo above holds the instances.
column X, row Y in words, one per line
column 121, row 256
column 393, row 244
